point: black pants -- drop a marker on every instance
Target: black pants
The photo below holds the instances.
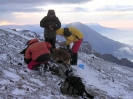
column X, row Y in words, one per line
column 43, row 58
column 51, row 41
column 74, row 58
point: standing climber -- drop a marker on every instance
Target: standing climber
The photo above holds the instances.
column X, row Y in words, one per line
column 50, row 23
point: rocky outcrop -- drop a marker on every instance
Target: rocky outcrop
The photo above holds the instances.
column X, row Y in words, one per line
column 86, row 47
column 113, row 59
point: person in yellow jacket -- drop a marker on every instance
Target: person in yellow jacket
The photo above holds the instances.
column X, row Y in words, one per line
column 72, row 35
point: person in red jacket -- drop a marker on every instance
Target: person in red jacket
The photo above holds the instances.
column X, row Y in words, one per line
column 37, row 53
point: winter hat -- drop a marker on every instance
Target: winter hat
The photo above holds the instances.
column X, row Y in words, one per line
column 51, row 12
column 32, row 41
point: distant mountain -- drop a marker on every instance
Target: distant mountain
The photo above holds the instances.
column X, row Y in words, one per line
column 87, row 49
column 113, row 59
column 120, row 35
column 102, row 29
column 35, row 28
column 102, row 44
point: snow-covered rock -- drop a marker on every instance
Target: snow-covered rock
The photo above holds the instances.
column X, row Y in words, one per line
column 103, row 79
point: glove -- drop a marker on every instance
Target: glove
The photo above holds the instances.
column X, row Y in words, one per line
column 51, row 49
column 68, row 47
column 27, row 60
column 23, row 51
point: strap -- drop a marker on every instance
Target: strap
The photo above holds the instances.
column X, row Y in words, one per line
column 77, row 37
column 60, row 83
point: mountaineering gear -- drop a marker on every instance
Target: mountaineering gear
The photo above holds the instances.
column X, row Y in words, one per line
column 43, row 68
column 68, row 47
column 65, row 70
column 23, row 51
column 54, row 69
column 62, row 69
column 75, row 34
column 27, row 60
column 36, row 67
column 74, row 58
column 74, row 86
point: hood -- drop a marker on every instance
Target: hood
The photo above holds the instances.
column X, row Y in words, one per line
column 51, row 12
column 32, row 41
column 60, row 31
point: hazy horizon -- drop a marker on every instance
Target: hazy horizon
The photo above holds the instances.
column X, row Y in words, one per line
column 123, row 36
column 109, row 13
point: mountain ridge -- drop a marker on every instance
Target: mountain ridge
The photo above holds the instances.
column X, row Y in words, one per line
column 102, row 44
column 101, row 78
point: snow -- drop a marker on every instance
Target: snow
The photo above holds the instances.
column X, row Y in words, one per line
column 91, row 78
column 103, row 79
column 11, row 75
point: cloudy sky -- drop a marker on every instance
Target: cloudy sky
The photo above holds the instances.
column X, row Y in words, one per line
column 109, row 13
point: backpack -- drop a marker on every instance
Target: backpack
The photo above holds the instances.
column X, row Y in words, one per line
column 65, row 70
column 74, row 86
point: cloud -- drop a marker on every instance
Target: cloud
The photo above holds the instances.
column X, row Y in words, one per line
column 80, row 9
column 5, row 17
column 32, row 5
column 116, row 8
column 18, row 8
column 41, row 1
column 127, row 49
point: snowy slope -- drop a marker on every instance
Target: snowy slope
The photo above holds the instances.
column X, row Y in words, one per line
column 114, row 79
column 103, row 79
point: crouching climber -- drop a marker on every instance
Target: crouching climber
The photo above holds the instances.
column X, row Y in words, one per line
column 37, row 53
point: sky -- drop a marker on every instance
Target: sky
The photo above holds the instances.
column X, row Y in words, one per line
column 109, row 13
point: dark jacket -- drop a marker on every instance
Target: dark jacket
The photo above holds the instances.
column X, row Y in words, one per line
column 54, row 22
